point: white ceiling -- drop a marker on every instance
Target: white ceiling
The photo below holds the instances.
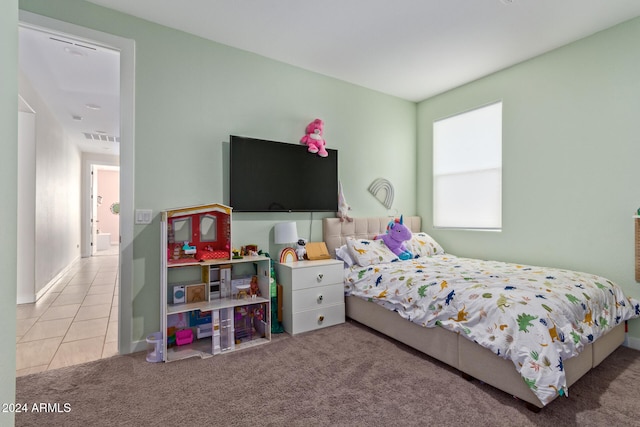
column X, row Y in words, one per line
column 80, row 84
column 412, row 49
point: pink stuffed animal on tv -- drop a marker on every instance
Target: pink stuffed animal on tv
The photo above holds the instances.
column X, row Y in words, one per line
column 313, row 138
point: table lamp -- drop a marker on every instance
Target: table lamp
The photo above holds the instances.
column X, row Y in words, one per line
column 286, row 233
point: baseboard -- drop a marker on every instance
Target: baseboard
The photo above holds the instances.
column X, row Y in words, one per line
column 53, row 281
column 137, row 346
column 631, row 342
column 26, row 300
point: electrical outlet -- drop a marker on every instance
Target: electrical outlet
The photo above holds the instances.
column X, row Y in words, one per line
column 144, row 216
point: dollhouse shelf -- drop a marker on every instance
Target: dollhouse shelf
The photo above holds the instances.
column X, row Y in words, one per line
column 231, row 320
column 216, row 304
column 216, row 261
column 198, row 348
column 201, row 348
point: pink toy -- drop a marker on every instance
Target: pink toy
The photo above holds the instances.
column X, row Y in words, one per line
column 397, row 234
column 313, row 138
column 184, row 336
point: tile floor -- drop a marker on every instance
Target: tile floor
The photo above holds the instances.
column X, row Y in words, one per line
column 76, row 321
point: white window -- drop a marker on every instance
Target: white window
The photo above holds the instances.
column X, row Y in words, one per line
column 467, row 169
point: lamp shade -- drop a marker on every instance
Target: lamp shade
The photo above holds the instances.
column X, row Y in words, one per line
column 286, row 232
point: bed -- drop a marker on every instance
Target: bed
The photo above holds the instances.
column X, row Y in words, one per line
column 468, row 314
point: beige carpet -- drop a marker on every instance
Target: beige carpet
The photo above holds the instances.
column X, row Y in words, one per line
column 343, row 375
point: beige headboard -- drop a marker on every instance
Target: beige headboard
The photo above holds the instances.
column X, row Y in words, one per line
column 335, row 232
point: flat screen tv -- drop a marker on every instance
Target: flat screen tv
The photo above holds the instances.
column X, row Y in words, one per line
column 269, row 176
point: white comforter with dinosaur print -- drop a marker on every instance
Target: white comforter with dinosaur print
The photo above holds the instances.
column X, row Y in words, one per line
column 537, row 317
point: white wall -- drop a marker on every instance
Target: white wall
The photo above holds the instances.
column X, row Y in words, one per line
column 26, row 286
column 57, row 216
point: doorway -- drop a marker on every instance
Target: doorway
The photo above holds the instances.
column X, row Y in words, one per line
column 105, row 210
column 122, row 264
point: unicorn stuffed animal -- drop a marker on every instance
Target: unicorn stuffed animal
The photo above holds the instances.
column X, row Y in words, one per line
column 397, row 233
column 343, row 207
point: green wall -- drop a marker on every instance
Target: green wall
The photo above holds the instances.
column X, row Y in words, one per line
column 571, row 153
column 8, row 212
column 191, row 94
column 570, row 146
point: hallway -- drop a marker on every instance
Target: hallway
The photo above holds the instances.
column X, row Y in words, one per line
column 75, row 322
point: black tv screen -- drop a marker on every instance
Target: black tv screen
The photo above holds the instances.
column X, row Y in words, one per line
column 269, row 176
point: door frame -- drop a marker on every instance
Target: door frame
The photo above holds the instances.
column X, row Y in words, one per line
column 126, row 47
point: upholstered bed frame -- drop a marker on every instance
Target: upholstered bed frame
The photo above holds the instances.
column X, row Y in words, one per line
column 468, row 357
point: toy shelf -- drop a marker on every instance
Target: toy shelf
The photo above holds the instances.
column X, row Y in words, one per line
column 198, row 348
column 207, row 304
column 211, row 262
column 213, row 305
column 202, row 348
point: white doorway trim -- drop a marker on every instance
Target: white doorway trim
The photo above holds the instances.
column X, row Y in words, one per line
column 126, row 47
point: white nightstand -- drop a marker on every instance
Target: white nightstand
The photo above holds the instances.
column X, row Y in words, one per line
column 313, row 294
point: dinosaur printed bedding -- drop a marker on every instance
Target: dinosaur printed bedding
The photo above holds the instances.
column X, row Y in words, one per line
column 537, row 317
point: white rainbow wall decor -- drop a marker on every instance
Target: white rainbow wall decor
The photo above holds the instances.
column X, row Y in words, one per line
column 382, row 184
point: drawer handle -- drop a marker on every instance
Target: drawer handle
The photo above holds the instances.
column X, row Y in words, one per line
column 320, row 319
column 320, row 298
column 320, row 276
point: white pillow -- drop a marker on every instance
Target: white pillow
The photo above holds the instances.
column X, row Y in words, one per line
column 342, row 253
column 369, row 252
column 421, row 244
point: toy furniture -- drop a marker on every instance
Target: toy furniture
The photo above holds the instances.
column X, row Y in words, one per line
column 209, row 271
column 184, row 337
column 198, row 232
column 243, row 291
column 154, row 350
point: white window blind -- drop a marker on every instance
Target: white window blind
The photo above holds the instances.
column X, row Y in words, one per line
column 467, row 169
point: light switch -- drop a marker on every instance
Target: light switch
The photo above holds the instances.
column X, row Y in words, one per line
column 144, row 216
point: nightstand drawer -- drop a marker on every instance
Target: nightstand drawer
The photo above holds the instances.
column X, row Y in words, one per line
column 319, row 296
column 317, row 275
column 319, row 318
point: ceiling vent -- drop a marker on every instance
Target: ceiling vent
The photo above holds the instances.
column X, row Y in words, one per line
column 101, row 137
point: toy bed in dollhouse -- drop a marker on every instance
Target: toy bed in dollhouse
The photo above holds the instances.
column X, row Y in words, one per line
column 529, row 331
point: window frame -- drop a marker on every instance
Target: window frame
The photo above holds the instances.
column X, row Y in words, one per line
column 489, row 168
